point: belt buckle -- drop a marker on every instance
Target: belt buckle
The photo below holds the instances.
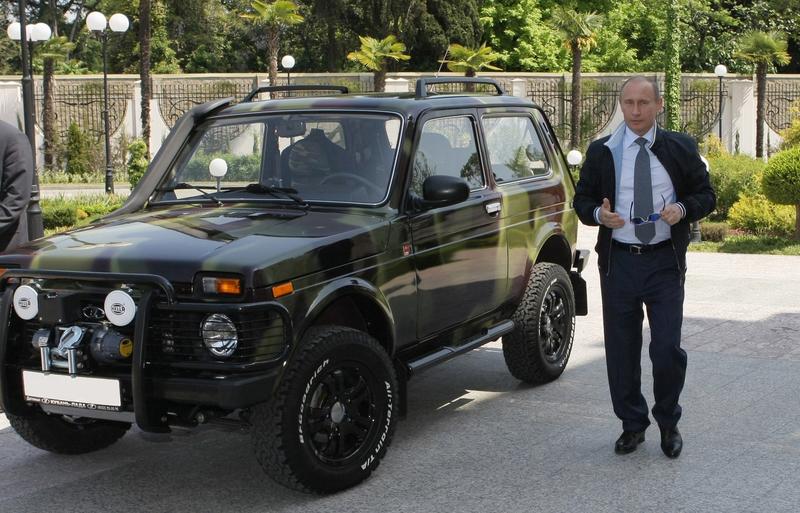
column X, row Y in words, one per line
column 636, row 249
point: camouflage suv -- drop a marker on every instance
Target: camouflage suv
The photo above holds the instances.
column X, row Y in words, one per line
column 287, row 265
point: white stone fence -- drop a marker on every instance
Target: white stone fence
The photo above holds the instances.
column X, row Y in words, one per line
column 79, row 99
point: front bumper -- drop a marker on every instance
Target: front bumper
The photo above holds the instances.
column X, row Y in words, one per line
column 154, row 387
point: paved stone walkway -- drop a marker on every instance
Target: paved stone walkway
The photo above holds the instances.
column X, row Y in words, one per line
column 477, row 440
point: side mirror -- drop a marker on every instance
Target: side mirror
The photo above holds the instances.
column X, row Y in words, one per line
column 442, row 190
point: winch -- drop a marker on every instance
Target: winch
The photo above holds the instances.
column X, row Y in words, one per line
column 71, row 347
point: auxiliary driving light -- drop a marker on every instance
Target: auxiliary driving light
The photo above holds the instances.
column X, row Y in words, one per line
column 219, row 335
column 26, row 302
column 120, row 308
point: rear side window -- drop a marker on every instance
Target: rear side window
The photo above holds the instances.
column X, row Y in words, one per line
column 515, row 150
column 447, row 147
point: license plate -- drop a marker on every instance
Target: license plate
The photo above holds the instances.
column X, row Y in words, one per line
column 72, row 391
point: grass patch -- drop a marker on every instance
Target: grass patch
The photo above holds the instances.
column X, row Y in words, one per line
column 752, row 244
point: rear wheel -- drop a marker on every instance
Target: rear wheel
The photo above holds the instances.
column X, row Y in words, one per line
column 334, row 415
column 67, row 435
column 544, row 324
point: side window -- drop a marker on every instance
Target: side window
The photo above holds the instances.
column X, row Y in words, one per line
column 447, row 147
column 515, row 150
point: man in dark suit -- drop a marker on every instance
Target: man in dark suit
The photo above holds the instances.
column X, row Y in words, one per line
column 643, row 186
column 16, row 177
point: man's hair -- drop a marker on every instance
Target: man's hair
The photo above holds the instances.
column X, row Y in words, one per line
column 641, row 78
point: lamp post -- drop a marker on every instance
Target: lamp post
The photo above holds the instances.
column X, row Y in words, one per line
column 287, row 63
column 720, row 71
column 37, row 32
column 97, row 23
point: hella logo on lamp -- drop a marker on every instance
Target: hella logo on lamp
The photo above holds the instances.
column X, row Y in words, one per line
column 120, row 308
column 26, row 302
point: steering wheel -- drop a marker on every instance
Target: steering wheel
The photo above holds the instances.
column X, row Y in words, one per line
column 344, row 177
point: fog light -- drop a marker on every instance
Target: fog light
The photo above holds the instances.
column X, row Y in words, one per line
column 120, row 308
column 219, row 335
column 26, row 302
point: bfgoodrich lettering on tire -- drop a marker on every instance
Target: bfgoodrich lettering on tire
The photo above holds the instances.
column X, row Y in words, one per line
column 333, row 416
column 544, row 324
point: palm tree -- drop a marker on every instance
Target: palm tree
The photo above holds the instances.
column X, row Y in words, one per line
column 579, row 31
column 52, row 52
column 274, row 17
column 763, row 49
column 144, row 69
column 374, row 54
column 471, row 60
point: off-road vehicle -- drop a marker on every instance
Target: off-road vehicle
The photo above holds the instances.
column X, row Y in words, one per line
column 289, row 264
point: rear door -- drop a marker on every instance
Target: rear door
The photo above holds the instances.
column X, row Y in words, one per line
column 460, row 257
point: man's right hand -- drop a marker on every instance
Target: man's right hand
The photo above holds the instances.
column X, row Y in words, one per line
column 608, row 218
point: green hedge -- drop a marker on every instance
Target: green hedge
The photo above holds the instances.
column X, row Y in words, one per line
column 755, row 214
column 62, row 213
column 781, row 180
column 731, row 176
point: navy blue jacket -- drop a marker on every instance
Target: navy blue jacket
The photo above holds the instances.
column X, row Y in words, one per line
column 678, row 154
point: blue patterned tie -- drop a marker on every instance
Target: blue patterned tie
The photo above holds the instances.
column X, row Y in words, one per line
column 643, row 193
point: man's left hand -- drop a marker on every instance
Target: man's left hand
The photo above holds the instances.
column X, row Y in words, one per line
column 671, row 214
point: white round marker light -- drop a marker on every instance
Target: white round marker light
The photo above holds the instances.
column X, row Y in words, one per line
column 120, row 308
column 26, row 302
column 218, row 167
column 574, row 157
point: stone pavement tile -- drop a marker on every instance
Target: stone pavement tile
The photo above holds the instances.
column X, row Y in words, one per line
column 750, row 475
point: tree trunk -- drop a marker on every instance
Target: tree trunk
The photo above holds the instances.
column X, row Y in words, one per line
column 761, row 90
column 273, row 46
column 144, row 69
column 797, row 222
column 379, row 77
column 49, row 114
column 575, row 114
column 332, row 49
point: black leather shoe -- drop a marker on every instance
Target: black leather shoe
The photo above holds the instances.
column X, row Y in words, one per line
column 671, row 442
column 628, row 441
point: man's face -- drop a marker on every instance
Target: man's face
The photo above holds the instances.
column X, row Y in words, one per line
column 640, row 106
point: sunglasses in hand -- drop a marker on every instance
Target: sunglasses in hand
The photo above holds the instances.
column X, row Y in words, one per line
column 652, row 218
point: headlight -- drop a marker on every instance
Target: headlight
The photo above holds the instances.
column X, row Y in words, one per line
column 219, row 335
column 26, row 302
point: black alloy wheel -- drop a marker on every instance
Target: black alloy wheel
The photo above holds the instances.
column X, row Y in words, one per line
column 339, row 417
column 555, row 325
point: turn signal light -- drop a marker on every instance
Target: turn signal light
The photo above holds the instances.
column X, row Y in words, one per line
column 230, row 286
column 283, row 289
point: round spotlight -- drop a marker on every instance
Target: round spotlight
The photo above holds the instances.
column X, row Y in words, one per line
column 219, row 335
column 120, row 308
column 26, row 302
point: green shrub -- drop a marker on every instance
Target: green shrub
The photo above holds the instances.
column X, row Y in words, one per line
column 64, row 213
column 713, row 232
column 791, row 134
column 137, row 161
column 58, row 212
column 79, row 159
column 755, row 214
column 781, row 180
column 732, row 175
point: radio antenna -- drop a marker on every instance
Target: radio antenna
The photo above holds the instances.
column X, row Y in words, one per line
column 441, row 63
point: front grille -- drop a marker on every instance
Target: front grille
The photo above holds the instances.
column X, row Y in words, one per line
column 175, row 336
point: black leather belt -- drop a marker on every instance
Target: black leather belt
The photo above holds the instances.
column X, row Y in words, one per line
column 638, row 249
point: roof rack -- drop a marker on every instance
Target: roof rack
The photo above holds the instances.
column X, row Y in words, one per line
column 423, row 83
column 304, row 87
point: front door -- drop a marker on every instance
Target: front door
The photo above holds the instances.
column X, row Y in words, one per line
column 460, row 257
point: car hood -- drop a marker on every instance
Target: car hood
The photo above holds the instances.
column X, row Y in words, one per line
column 264, row 245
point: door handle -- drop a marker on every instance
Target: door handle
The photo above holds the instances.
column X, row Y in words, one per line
column 493, row 208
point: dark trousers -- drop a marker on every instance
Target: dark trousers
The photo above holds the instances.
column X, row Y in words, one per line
column 654, row 280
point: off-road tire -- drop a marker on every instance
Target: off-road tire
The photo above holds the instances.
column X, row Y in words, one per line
column 282, row 437
column 54, row 433
column 526, row 351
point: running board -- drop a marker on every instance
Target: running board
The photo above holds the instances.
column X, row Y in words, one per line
column 445, row 353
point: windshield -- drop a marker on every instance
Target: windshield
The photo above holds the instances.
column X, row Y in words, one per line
column 341, row 157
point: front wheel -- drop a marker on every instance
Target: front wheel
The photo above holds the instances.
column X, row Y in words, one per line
column 67, row 435
column 538, row 348
column 334, row 414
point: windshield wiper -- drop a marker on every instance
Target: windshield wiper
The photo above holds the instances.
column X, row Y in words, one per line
column 184, row 185
column 277, row 192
